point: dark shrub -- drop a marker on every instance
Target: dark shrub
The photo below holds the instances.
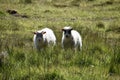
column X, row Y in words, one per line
column 51, row 76
column 100, row 25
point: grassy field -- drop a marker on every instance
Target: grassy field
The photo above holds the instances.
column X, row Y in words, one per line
column 98, row 22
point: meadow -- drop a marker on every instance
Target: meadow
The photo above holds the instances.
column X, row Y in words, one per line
column 98, row 22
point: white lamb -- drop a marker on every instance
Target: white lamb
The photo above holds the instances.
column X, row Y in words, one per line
column 71, row 38
column 43, row 38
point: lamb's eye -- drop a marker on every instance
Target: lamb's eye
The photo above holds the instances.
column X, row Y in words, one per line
column 69, row 32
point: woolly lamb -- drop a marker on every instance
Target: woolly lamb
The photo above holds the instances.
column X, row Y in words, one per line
column 71, row 38
column 43, row 38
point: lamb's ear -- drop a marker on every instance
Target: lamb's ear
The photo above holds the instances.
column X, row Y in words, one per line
column 43, row 32
column 35, row 32
column 71, row 29
column 62, row 29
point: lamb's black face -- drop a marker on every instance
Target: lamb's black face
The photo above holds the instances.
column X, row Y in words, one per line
column 67, row 32
column 39, row 36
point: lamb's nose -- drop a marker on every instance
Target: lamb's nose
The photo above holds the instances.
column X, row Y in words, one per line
column 39, row 39
column 67, row 36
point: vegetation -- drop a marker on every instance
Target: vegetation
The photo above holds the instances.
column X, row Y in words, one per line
column 96, row 20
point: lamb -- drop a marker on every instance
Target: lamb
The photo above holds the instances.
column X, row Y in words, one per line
column 71, row 38
column 43, row 38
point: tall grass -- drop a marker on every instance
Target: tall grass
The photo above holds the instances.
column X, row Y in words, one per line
column 99, row 58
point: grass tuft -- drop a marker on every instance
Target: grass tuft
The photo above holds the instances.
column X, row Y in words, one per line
column 115, row 62
column 26, row 1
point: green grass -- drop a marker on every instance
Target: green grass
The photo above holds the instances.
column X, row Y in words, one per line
column 96, row 20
